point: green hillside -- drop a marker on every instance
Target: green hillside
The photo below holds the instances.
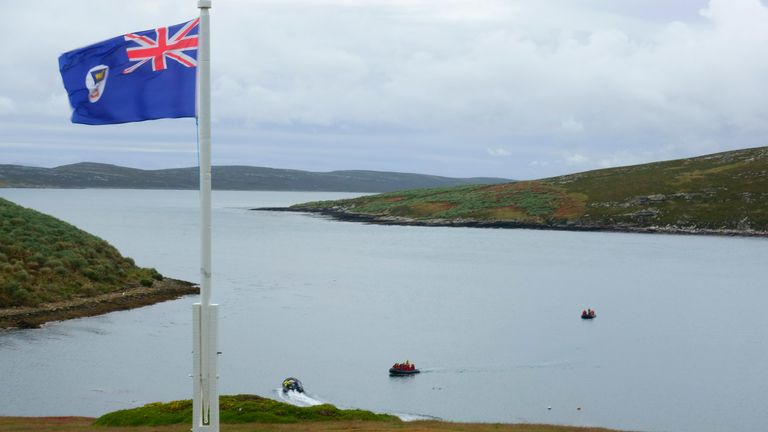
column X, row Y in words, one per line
column 43, row 259
column 238, row 409
column 725, row 191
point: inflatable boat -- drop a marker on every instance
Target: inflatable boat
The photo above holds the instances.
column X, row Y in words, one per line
column 292, row 384
column 406, row 368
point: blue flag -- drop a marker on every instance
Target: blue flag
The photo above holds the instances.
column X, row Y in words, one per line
column 135, row 77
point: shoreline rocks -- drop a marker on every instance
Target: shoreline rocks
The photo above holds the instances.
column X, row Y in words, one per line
column 343, row 215
column 130, row 298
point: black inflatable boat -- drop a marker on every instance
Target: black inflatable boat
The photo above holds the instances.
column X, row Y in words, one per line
column 292, row 384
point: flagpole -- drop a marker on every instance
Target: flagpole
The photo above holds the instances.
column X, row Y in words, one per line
column 205, row 400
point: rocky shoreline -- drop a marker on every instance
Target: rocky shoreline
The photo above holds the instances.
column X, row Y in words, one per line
column 343, row 215
column 129, row 298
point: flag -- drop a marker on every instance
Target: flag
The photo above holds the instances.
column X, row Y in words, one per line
column 139, row 76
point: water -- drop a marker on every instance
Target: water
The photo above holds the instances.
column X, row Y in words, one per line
column 490, row 316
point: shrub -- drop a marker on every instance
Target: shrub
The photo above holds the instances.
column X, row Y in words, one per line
column 156, row 275
column 90, row 274
column 21, row 275
column 20, row 297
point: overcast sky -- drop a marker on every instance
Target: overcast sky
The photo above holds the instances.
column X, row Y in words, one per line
column 508, row 88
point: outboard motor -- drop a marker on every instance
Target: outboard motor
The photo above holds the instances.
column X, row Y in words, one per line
column 292, row 384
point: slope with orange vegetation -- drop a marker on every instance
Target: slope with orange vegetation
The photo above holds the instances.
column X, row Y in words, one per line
column 724, row 193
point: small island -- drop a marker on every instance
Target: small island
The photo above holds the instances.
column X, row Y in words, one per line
column 723, row 194
column 51, row 270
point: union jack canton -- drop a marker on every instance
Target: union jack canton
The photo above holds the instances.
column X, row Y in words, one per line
column 138, row 76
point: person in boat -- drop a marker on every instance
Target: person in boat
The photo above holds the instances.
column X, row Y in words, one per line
column 292, row 384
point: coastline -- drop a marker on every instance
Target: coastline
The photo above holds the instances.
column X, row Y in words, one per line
column 130, row 298
column 345, row 216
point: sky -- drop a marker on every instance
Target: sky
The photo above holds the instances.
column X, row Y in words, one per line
column 462, row 88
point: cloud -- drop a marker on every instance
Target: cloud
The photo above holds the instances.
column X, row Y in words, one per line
column 616, row 78
column 425, row 72
column 571, row 125
column 574, row 159
column 498, row 152
column 6, row 106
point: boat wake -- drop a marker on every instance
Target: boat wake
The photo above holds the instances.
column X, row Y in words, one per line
column 559, row 364
column 296, row 398
column 305, row 400
column 406, row 417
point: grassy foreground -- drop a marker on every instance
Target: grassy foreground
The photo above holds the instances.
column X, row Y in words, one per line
column 85, row 424
column 719, row 193
column 254, row 413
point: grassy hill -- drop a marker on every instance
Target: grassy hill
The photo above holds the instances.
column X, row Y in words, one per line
column 44, row 260
column 237, row 409
column 723, row 192
column 97, row 175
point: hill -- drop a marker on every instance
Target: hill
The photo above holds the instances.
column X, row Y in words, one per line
column 723, row 193
column 51, row 270
column 96, row 175
column 237, row 409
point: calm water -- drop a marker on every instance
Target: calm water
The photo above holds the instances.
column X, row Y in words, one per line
column 491, row 316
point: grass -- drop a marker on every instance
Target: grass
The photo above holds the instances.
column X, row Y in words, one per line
column 43, row 259
column 237, row 409
column 254, row 413
column 83, row 424
column 724, row 191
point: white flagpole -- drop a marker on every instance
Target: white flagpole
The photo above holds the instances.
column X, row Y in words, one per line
column 205, row 399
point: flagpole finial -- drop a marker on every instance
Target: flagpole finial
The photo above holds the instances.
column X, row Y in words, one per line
column 204, row 4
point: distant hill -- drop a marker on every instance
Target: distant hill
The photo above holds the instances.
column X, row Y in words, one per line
column 97, row 175
column 724, row 193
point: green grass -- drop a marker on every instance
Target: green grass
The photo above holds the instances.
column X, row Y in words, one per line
column 43, row 259
column 721, row 191
column 237, row 409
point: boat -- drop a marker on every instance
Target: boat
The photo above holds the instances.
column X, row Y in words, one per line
column 588, row 314
column 292, row 384
column 403, row 369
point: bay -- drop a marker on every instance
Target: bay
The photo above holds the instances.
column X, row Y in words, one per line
column 490, row 316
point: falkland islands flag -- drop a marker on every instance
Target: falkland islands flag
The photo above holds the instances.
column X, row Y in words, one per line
column 139, row 76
